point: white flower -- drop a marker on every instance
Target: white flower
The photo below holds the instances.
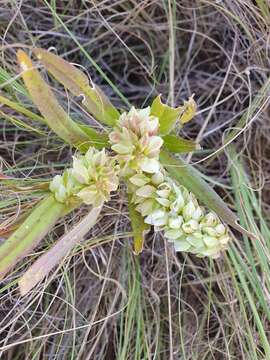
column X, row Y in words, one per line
column 136, row 142
column 161, row 201
column 58, row 188
column 170, row 207
column 80, row 170
column 64, row 186
column 181, row 245
column 190, row 226
column 146, row 191
column 139, row 180
column 146, row 207
column 175, row 222
column 158, row 218
column 153, row 146
column 151, row 166
column 157, row 178
column 91, row 179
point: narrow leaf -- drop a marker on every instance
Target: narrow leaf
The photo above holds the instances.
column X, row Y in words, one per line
column 96, row 139
column 191, row 178
column 44, row 99
column 177, row 144
column 30, row 233
column 43, row 265
column 21, row 124
column 167, row 115
column 9, row 82
column 138, row 226
column 78, row 83
column 261, row 99
column 20, row 109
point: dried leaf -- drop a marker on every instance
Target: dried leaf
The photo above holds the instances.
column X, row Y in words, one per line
column 78, row 83
column 189, row 111
column 43, row 265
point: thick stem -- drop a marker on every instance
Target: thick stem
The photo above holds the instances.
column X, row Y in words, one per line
column 30, row 233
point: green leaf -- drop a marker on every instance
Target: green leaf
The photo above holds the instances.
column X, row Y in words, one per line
column 78, row 83
column 96, row 139
column 30, row 233
column 43, row 97
column 9, row 82
column 138, row 226
column 177, row 144
column 167, row 115
column 260, row 101
column 20, row 109
column 191, row 178
column 21, row 124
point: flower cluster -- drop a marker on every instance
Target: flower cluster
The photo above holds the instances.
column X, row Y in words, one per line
column 92, row 178
column 136, row 142
column 162, row 202
column 173, row 209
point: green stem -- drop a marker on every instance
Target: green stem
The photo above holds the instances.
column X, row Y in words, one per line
column 30, row 233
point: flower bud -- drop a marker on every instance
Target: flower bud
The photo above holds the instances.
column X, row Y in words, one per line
column 91, row 179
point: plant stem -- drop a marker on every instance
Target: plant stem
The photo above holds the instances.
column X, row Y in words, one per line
column 30, row 233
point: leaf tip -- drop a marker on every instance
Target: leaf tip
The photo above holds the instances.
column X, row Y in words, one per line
column 38, row 53
column 23, row 60
column 27, row 282
column 138, row 246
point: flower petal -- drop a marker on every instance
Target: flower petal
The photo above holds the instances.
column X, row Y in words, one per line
column 150, row 165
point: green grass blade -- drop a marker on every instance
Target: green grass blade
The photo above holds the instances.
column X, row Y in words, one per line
column 261, row 99
column 9, row 83
column 20, row 109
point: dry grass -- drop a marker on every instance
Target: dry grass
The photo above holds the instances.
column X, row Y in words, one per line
column 103, row 302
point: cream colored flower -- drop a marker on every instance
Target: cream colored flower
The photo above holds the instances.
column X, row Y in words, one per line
column 172, row 208
column 99, row 175
column 92, row 178
column 64, row 186
column 136, row 142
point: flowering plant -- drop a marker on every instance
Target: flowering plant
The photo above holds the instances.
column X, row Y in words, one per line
column 163, row 191
column 161, row 201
